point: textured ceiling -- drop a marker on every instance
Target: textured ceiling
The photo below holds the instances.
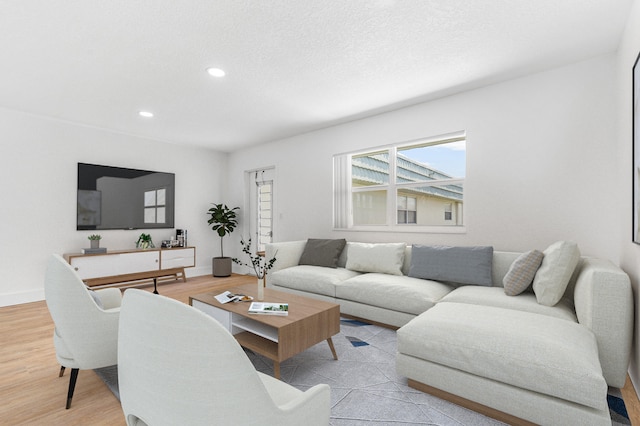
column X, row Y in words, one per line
column 292, row 65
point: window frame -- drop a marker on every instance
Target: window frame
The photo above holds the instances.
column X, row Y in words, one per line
column 343, row 190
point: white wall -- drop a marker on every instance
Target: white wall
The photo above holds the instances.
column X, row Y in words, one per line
column 38, row 195
column 541, row 163
column 630, row 252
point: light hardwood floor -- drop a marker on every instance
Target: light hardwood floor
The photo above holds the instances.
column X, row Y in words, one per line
column 31, row 393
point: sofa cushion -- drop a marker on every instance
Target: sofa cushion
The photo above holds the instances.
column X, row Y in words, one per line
column 530, row 351
column 552, row 278
column 384, row 258
column 521, row 273
column 313, row 279
column 495, row 296
column 319, row 252
column 397, row 293
column 460, row 265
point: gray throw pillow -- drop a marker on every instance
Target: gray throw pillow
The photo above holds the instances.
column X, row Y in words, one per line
column 460, row 265
column 319, row 252
column 521, row 273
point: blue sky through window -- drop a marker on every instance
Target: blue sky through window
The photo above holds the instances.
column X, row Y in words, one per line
column 449, row 158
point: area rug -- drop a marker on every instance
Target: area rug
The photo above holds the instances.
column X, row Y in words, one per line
column 365, row 388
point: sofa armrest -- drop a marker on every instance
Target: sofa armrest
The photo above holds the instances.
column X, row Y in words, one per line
column 604, row 303
column 287, row 255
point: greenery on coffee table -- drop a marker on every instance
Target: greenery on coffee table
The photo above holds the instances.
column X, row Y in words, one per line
column 259, row 263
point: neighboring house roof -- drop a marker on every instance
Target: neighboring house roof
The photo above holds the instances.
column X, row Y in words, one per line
column 374, row 170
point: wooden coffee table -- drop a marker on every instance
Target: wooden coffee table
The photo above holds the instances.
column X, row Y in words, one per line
column 278, row 338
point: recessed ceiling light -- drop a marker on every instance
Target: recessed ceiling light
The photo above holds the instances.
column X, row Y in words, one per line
column 216, row 72
column 145, row 114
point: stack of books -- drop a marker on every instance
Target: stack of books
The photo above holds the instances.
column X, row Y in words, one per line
column 94, row 250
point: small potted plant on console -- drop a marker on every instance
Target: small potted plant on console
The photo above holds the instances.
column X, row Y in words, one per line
column 95, row 240
column 145, row 242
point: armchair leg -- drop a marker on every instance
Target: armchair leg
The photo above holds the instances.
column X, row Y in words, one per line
column 62, row 367
column 72, row 385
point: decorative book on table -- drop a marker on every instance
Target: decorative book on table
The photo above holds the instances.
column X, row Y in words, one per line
column 227, row 296
column 269, row 308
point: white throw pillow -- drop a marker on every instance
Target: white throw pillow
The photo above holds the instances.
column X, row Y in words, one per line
column 551, row 280
column 382, row 258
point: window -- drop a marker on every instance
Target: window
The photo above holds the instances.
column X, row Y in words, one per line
column 407, row 209
column 399, row 185
column 155, row 202
column 448, row 212
column 259, row 223
column 265, row 215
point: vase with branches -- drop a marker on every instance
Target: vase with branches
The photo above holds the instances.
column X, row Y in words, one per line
column 257, row 262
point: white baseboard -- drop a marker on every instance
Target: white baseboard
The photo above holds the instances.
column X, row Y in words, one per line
column 198, row 271
column 19, row 298
column 10, row 299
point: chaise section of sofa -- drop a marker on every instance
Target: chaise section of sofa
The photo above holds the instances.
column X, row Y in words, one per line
column 543, row 356
column 512, row 356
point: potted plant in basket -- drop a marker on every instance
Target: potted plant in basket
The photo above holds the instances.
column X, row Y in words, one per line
column 258, row 262
column 222, row 220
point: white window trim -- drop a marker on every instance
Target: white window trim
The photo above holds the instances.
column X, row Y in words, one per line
column 343, row 201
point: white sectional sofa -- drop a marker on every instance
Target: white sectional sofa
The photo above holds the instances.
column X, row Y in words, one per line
column 535, row 357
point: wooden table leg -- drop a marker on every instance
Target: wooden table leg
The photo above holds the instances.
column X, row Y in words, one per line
column 333, row 349
column 276, row 370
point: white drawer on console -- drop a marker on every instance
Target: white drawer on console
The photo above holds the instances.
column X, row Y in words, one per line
column 178, row 258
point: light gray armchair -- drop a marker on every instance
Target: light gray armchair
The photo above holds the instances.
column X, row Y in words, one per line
column 178, row 366
column 86, row 322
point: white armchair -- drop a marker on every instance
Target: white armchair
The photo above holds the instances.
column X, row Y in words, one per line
column 178, row 366
column 86, row 322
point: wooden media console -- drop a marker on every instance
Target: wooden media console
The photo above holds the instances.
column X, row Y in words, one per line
column 132, row 267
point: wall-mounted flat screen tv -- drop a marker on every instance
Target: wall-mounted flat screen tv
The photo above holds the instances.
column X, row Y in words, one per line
column 120, row 198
